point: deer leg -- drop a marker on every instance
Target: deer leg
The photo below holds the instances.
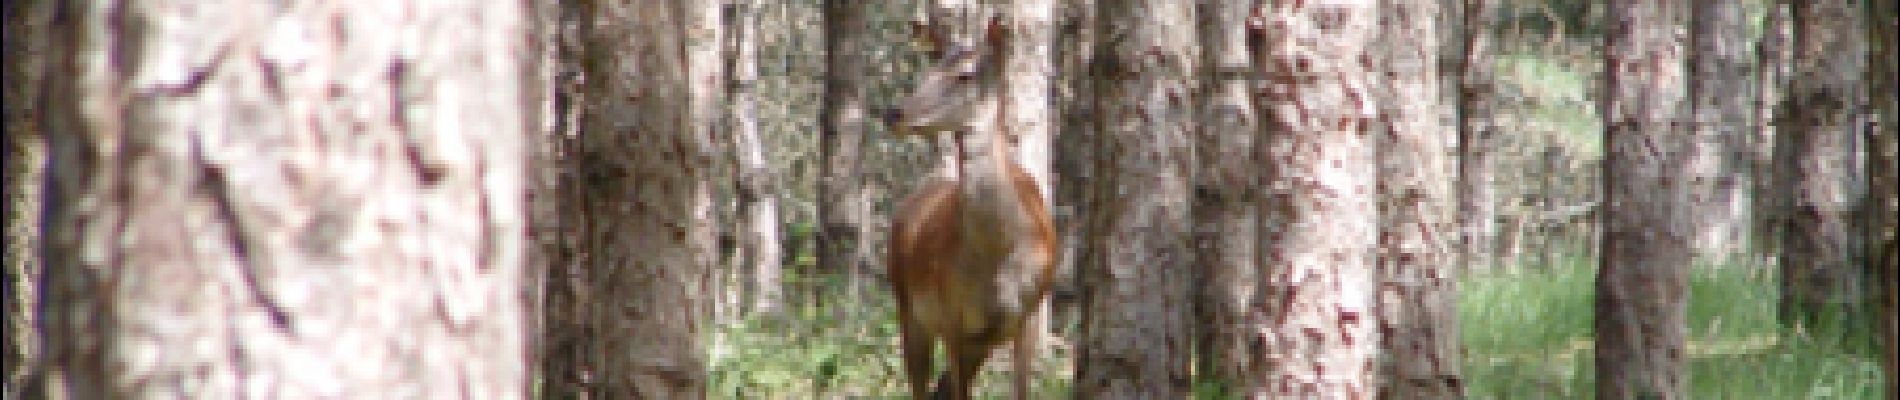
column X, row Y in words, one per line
column 966, row 360
column 1023, row 355
column 918, row 348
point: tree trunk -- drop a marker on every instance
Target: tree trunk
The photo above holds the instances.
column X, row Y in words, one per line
column 1028, row 81
column 1134, row 340
column 1225, row 215
column 1883, row 37
column 641, row 200
column 760, row 246
column 1310, row 320
column 1642, row 279
column 843, row 205
column 565, row 347
column 1477, row 134
column 1072, row 160
column 1816, row 170
column 253, row 201
column 1718, row 166
column 26, row 53
column 1418, row 317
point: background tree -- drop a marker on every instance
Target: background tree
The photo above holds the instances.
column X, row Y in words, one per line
column 1883, row 250
column 1309, row 323
column 25, row 47
column 1477, row 98
column 761, row 248
column 843, row 205
column 1226, row 182
column 1817, row 175
column 640, row 201
column 285, row 201
column 1642, row 278
column 1418, row 318
column 1134, row 339
column 1718, row 165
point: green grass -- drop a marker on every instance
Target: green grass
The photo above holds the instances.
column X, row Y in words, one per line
column 1527, row 335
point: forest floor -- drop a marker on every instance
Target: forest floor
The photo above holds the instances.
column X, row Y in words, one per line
column 1527, row 335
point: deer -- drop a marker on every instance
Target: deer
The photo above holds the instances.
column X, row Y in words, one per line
column 972, row 254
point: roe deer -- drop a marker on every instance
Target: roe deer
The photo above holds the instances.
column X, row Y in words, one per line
column 971, row 256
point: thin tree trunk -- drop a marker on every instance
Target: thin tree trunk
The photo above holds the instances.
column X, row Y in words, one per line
column 255, row 201
column 1642, row 281
column 843, row 205
column 1718, row 165
column 760, row 245
column 26, row 53
column 1134, row 339
column 1418, row 318
column 642, row 196
column 1311, row 313
column 1477, row 134
column 1883, row 255
column 1226, row 184
column 1816, row 170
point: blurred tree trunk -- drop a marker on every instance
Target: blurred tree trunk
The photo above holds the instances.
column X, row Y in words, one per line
column 640, row 199
column 1642, row 281
column 1772, row 59
column 1816, row 169
column 1309, row 319
column 1477, row 136
column 843, row 204
column 1029, row 80
column 1418, row 319
column 565, row 345
column 760, row 248
column 253, row 201
column 1718, row 165
column 1134, row 340
column 1226, row 184
column 1883, row 76
column 25, row 47
column 1072, row 160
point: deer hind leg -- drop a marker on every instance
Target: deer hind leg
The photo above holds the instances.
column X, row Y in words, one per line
column 966, row 360
column 919, row 349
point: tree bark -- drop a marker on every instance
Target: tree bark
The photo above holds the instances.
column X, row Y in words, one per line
column 1718, row 166
column 1418, row 319
column 1883, row 38
column 255, row 201
column 1642, row 279
column 1309, row 321
column 843, row 204
column 761, row 247
column 26, row 54
column 1225, row 216
column 1816, row 170
column 1134, row 339
column 1477, row 134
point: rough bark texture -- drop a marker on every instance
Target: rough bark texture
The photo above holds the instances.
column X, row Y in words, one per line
column 1817, row 171
column 1072, row 160
column 1718, row 167
column 641, row 161
column 842, row 201
column 760, row 249
column 1134, row 339
column 1883, row 37
column 564, row 346
column 1477, row 133
column 25, row 47
column 306, row 201
column 1226, row 184
column 1418, row 319
column 1642, row 279
column 1309, row 314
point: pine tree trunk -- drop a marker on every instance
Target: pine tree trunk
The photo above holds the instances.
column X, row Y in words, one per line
column 1477, row 134
column 26, row 53
column 760, row 247
column 1312, row 311
column 1642, row 279
column 842, row 202
column 255, row 201
column 1816, row 169
column 1134, row 340
column 1718, row 166
column 1418, row 318
column 1226, row 184
column 1883, row 76
column 642, row 196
